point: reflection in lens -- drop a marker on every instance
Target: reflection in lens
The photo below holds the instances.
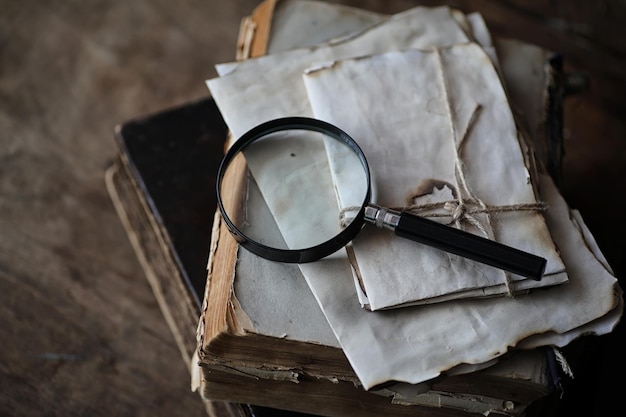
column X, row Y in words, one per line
column 288, row 188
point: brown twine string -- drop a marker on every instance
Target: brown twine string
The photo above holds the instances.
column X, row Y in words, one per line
column 455, row 210
column 463, row 192
column 452, row 206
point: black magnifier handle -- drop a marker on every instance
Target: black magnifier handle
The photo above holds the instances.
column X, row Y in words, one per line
column 457, row 241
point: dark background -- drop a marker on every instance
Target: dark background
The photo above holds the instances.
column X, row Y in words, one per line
column 80, row 331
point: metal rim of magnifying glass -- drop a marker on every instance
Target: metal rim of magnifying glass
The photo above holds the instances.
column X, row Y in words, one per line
column 311, row 253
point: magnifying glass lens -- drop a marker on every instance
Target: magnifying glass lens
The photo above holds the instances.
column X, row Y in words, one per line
column 288, row 189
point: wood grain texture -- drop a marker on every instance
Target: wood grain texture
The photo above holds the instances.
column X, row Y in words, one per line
column 80, row 329
column 81, row 332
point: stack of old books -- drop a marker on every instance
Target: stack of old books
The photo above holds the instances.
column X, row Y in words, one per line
column 428, row 334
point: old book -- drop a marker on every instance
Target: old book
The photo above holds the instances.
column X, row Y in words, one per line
column 155, row 159
column 248, row 316
column 143, row 192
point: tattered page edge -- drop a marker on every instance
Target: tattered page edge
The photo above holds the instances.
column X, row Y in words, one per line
column 253, row 38
column 261, row 24
column 606, row 323
column 252, row 41
column 590, row 240
column 224, row 248
column 227, row 68
column 534, row 364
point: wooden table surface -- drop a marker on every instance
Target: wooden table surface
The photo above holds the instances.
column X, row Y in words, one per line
column 80, row 331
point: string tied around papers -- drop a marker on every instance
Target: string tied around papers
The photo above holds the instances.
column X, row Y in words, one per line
column 452, row 207
column 463, row 209
column 460, row 211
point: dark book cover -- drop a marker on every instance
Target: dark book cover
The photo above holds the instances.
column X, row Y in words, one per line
column 165, row 180
column 173, row 156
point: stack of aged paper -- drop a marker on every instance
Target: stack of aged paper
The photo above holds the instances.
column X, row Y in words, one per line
column 255, row 91
column 422, row 92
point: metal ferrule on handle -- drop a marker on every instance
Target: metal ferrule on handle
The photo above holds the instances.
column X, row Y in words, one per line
column 382, row 217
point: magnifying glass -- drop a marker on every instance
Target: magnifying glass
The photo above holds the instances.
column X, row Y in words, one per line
column 298, row 189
